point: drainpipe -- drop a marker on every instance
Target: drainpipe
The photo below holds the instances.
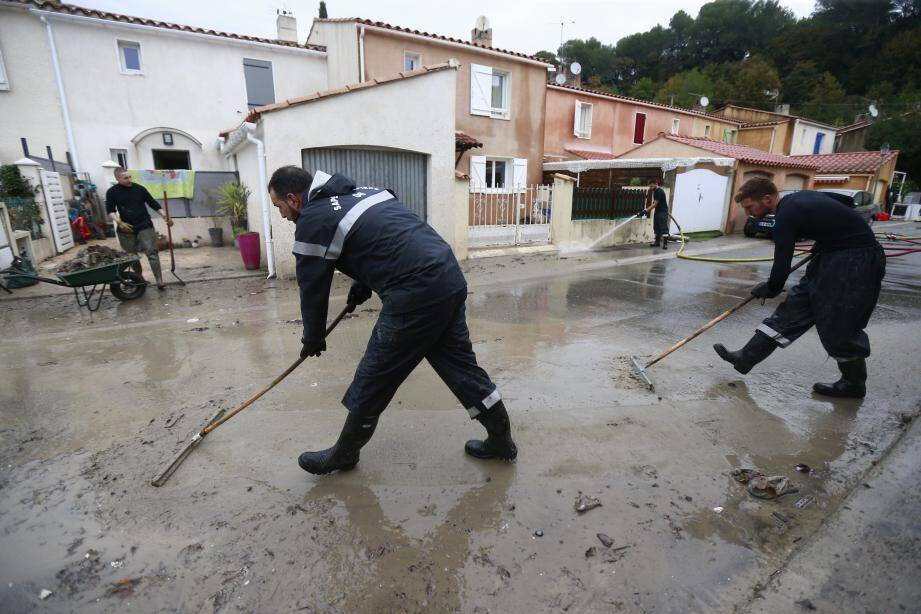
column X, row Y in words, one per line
column 361, row 55
column 71, row 144
column 263, row 197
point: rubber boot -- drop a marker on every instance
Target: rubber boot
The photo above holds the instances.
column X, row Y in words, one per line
column 498, row 443
column 656, row 242
column 757, row 349
column 158, row 272
column 852, row 384
column 664, row 241
column 343, row 456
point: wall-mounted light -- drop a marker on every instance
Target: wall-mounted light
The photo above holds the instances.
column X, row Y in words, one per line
column 167, row 138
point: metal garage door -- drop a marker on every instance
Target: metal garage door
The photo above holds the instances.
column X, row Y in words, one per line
column 403, row 172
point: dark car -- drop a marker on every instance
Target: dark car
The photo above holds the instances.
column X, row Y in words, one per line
column 859, row 200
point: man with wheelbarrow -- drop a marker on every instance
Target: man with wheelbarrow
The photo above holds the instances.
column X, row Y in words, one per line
column 135, row 229
column 837, row 294
column 373, row 238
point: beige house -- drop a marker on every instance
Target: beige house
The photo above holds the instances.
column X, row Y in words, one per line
column 857, row 170
column 787, row 173
column 499, row 95
column 780, row 133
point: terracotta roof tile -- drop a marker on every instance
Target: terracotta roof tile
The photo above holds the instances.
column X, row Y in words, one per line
column 849, row 162
column 647, row 103
column 592, row 155
column 780, row 115
column 741, row 152
column 387, row 26
column 771, row 122
column 855, row 126
column 79, row 11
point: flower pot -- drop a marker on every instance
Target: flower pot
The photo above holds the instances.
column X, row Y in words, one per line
column 249, row 250
column 217, row 237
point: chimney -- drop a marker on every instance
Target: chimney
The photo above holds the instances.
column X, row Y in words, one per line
column 481, row 33
column 783, row 109
column 287, row 26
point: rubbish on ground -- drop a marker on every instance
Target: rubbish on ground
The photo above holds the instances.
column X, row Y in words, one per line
column 606, row 541
column 585, row 503
column 92, row 256
column 780, row 518
column 591, row 552
column 803, row 468
column 743, row 476
column 45, row 594
column 804, row 501
column 764, row 487
column 539, row 533
column 192, row 320
column 718, row 509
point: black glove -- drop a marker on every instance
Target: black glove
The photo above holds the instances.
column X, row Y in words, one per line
column 763, row 290
column 312, row 348
column 358, row 293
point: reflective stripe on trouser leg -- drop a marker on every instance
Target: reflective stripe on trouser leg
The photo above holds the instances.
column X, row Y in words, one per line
column 493, row 398
column 773, row 334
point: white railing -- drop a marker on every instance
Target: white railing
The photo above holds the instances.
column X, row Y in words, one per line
column 510, row 216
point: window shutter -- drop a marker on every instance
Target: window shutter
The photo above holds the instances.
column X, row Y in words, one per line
column 478, row 172
column 520, row 173
column 588, row 124
column 260, row 86
column 480, row 90
column 575, row 123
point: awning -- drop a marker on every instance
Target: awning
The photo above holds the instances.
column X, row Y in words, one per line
column 665, row 164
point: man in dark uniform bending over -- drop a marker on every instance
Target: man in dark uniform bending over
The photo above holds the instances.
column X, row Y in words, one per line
column 837, row 294
column 373, row 238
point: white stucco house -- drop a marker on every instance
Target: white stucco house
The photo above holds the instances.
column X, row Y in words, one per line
column 96, row 86
column 394, row 132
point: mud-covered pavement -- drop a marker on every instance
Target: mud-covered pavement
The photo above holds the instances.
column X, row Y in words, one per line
column 92, row 408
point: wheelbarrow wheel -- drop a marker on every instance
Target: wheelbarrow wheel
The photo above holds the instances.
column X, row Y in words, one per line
column 129, row 287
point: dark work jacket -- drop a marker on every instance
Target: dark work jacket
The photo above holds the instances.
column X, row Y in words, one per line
column 373, row 238
column 813, row 215
column 131, row 204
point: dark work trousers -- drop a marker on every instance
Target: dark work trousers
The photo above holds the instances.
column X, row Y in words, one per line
column 399, row 342
column 660, row 222
column 838, row 293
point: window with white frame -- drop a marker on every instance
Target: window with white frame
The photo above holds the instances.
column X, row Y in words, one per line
column 119, row 156
column 412, row 61
column 489, row 174
column 675, row 123
column 582, row 123
column 129, row 57
column 4, row 80
column 489, row 92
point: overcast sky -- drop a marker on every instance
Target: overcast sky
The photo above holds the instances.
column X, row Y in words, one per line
column 518, row 25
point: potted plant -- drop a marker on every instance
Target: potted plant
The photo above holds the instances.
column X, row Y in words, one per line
column 216, row 231
column 232, row 198
column 19, row 195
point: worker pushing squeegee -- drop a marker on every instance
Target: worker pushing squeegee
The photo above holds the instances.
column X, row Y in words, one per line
column 373, row 238
column 837, row 294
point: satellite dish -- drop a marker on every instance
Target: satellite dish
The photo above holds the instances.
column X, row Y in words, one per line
column 560, row 78
column 575, row 68
column 873, row 110
column 704, row 101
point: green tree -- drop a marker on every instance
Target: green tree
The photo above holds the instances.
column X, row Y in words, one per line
column 686, row 88
column 751, row 82
column 546, row 56
column 644, row 89
column 826, row 103
column 323, row 13
column 902, row 132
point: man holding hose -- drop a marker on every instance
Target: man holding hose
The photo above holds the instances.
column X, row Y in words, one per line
column 837, row 294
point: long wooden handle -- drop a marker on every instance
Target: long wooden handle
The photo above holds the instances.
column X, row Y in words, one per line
column 348, row 309
column 715, row 320
column 169, row 232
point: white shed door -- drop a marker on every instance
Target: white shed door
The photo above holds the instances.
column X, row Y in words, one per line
column 699, row 200
column 56, row 210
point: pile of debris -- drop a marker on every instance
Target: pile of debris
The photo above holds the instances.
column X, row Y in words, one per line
column 92, row 256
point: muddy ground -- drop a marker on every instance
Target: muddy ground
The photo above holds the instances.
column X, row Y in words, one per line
column 92, row 407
